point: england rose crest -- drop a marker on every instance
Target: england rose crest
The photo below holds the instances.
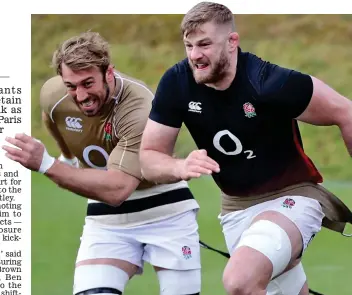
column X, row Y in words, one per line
column 288, row 203
column 108, row 131
column 186, row 251
column 249, row 110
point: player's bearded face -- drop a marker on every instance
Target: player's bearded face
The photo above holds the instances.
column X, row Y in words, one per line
column 207, row 54
column 210, row 69
column 88, row 88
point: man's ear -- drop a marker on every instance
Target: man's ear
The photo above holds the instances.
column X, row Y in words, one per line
column 109, row 75
column 234, row 41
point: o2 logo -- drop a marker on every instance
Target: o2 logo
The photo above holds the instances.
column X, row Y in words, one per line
column 238, row 144
column 96, row 148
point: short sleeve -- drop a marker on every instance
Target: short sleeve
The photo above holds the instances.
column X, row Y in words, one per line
column 129, row 128
column 167, row 107
column 125, row 155
column 286, row 92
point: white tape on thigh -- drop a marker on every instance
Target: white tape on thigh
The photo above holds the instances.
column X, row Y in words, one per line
column 271, row 240
column 176, row 282
column 92, row 276
column 289, row 283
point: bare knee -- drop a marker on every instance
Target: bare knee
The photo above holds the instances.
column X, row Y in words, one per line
column 247, row 273
column 235, row 286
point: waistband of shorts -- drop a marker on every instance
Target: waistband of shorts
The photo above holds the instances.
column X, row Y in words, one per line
column 138, row 205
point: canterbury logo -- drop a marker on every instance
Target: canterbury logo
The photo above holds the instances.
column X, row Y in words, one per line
column 195, row 107
column 73, row 124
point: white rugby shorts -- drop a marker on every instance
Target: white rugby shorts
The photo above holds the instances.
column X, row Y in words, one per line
column 171, row 243
column 305, row 213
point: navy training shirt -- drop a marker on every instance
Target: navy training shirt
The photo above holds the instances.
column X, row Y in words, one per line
column 249, row 129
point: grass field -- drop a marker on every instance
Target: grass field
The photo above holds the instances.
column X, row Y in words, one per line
column 57, row 219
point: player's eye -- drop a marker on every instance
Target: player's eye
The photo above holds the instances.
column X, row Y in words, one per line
column 71, row 87
column 204, row 45
column 88, row 84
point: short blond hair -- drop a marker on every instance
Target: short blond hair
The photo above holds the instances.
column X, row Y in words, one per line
column 82, row 52
column 205, row 12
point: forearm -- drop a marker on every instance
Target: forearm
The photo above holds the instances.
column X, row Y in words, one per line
column 90, row 183
column 159, row 167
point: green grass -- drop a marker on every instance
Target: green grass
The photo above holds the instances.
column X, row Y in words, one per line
column 57, row 219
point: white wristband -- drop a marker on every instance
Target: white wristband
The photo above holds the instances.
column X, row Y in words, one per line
column 47, row 162
column 72, row 162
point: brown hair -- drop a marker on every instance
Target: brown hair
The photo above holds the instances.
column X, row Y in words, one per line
column 205, row 12
column 82, row 52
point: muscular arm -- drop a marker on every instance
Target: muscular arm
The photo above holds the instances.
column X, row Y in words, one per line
column 160, row 134
column 157, row 146
column 159, row 166
column 327, row 107
column 111, row 186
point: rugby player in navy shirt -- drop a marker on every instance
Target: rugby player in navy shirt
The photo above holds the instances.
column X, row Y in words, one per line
column 242, row 113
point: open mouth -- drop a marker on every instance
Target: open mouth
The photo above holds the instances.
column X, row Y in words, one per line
column 201, row 66
column 89, row 104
